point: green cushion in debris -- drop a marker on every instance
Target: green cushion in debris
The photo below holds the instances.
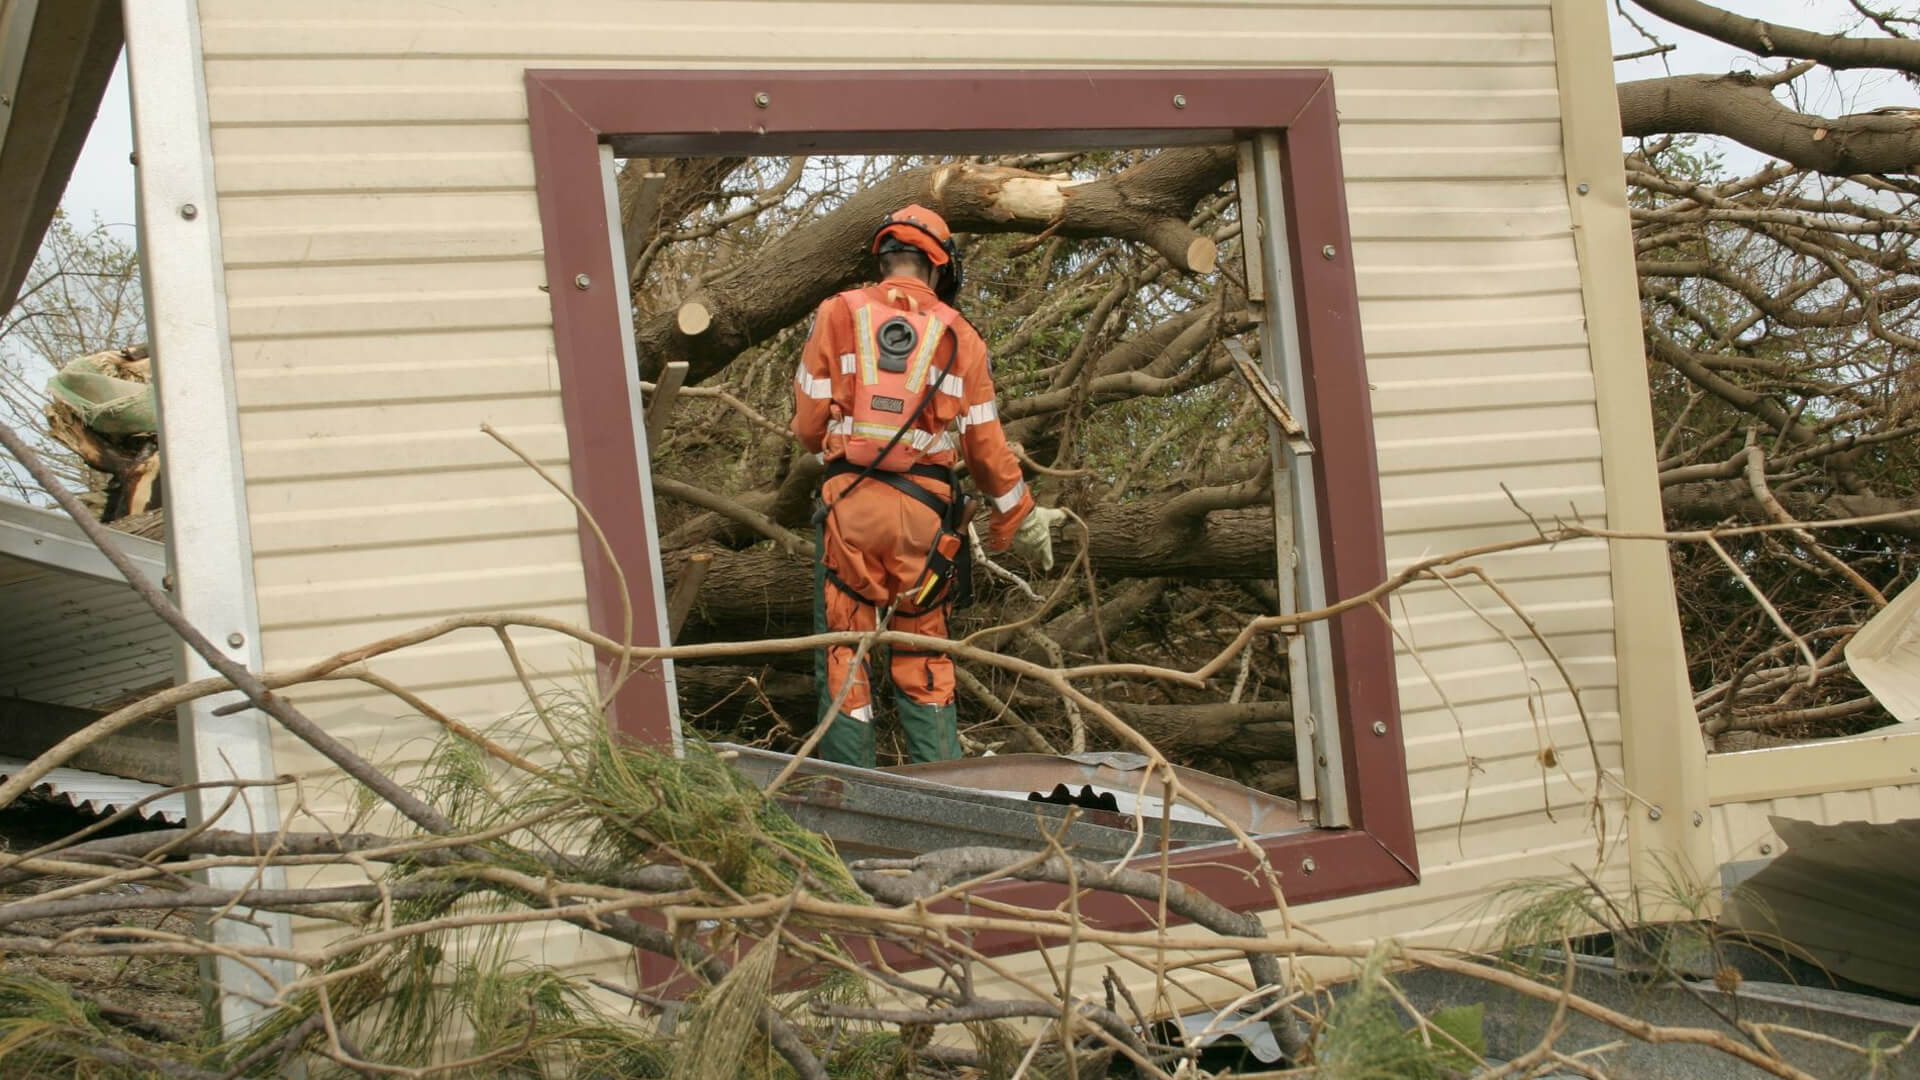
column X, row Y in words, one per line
column 108, row 405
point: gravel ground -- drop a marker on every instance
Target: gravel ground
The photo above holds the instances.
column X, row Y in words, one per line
column 152, row 996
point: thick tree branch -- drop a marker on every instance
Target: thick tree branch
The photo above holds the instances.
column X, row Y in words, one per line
column 1771, row 39
column 1740, row 108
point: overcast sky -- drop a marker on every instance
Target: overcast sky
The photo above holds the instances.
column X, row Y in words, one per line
column 102, row 183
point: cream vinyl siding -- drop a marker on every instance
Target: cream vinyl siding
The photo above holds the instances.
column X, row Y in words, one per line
column 1874, row 777
column 1741, row 830
column 384, row 275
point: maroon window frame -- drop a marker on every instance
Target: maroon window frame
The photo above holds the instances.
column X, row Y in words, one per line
column 660, row 112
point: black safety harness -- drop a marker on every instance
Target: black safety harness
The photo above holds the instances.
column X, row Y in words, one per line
column 953, row 574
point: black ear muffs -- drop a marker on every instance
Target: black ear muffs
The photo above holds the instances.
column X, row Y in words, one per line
column 947, row 282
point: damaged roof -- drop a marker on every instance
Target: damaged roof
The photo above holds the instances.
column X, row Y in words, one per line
column 71, row 631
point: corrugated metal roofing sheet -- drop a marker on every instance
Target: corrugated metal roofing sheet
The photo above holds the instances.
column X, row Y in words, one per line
column 98, row 793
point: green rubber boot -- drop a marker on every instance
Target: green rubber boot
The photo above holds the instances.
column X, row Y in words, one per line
column 848, row 742
column 933, row 731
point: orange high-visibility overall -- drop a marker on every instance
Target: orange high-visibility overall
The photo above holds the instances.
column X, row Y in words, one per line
column 876, row 538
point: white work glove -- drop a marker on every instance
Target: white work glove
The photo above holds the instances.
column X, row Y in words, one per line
column 1033, row 540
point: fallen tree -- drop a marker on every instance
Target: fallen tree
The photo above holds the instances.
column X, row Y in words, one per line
column 681, row 858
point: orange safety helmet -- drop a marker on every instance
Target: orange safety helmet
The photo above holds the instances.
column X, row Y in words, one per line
column 914, row 227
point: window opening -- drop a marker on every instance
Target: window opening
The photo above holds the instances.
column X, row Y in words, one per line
column 1116, row 385
column 583, row 120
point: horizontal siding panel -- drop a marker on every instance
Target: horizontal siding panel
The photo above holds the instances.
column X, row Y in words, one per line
column 411, row 298
column 412, row 452
column 826, row 34
column 1565, row 735
column 1509, row 792
column 1532, row 595
column 1488, row 508
column 1479, row 653
column 1411, row 546
column 464, row 657
column 1520, row 450
column 1390, row 336
column 402, row 418
column 1384, row 370
column 332, row 228
column 1741, row 829
column 370, row 353
column 1534, row 485
column 250, row 91
column 351, row 567
column 1480, row 394
column 444, row 377
column 507, row 479
column 298, row 533
column 1452, row 268
column 1586, row 556
column 1510, row 685
column 1454, row 628
column 367, row 601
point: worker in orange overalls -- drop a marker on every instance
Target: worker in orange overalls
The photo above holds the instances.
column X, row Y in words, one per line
column 892, row 391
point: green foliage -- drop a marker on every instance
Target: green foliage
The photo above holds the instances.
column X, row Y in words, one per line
column 47, row 1032
column 610, row 806
column 1366, row 1036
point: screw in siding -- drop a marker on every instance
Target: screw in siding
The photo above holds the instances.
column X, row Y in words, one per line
column 762, row 99
column 1179, row 101
column 236, row 639
column 189, row 211
column 1653, row 813
column 1583, row 189
column 1327, row 252
column 1766, row 849
column 1699, row 819
column 1307, row 866
column 1379, row 727
column 582, row 282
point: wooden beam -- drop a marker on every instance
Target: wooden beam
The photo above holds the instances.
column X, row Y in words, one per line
column 686, row 590
column 664, row 393
column 148, row 751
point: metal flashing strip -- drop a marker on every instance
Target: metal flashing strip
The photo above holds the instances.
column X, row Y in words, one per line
column 49, row 538
column 991, row 801
column 1304, row 583
column 207, row 525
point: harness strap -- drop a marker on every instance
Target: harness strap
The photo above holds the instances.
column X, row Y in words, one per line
column 900, row 483
column 834, row 580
